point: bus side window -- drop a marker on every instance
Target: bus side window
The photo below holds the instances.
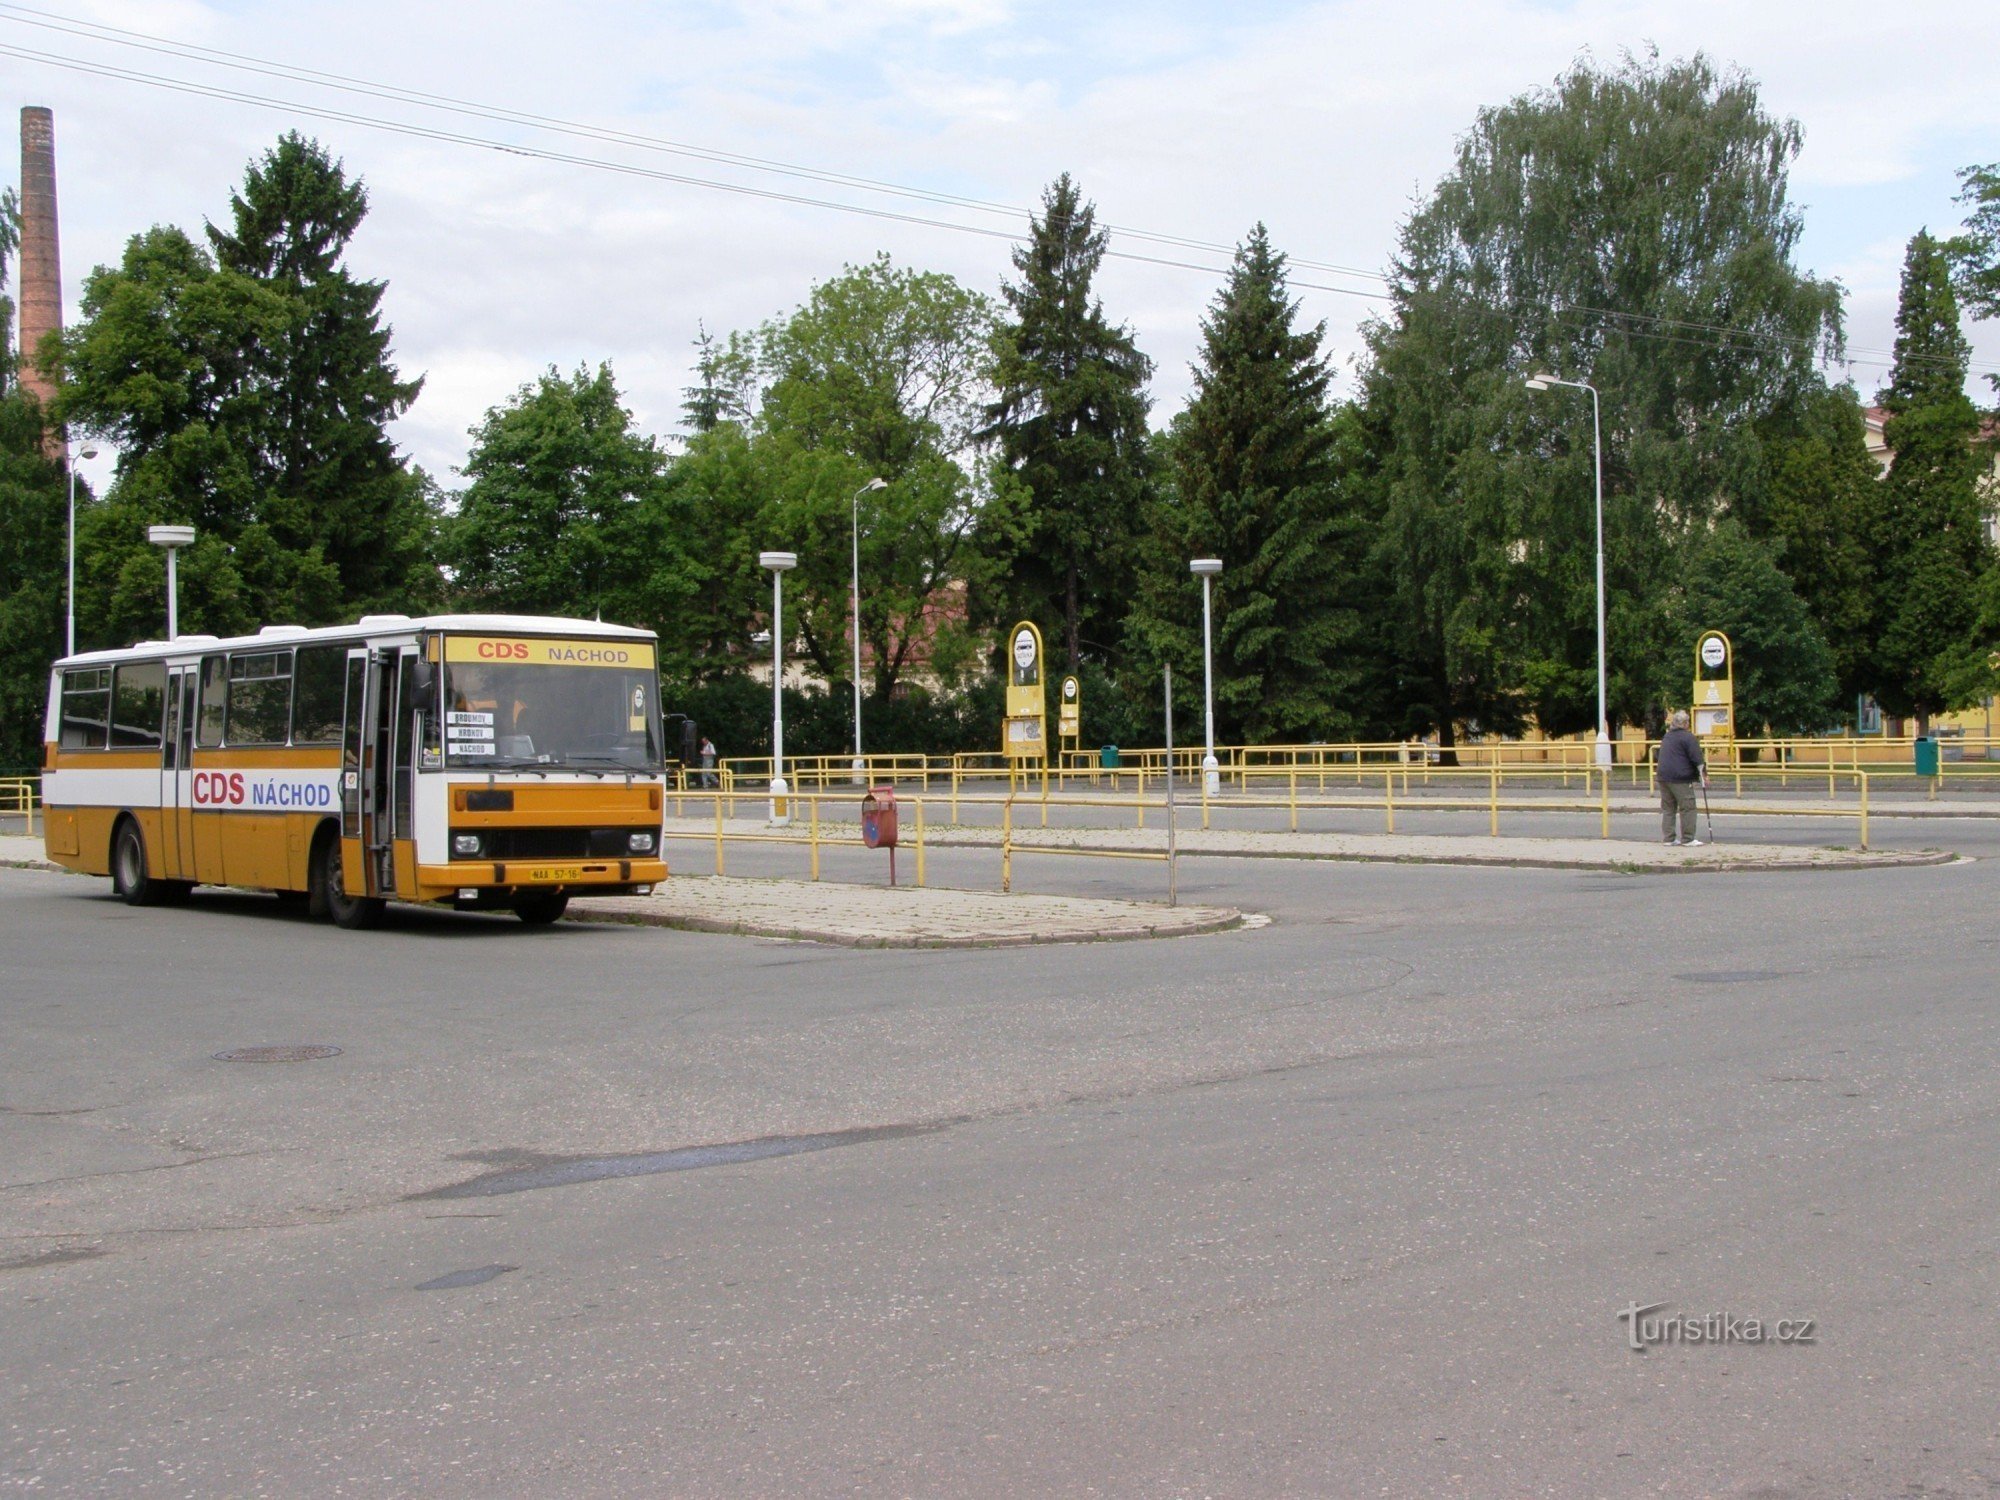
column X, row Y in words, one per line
column 138, row 703
column 316, row 695
column 86, row 707
column 260, row 697
column 214, row 701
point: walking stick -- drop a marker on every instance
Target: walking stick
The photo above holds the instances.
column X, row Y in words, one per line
column 1705, row 812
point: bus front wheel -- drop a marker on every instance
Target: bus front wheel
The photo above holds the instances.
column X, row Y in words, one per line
column 351, row 912
column 540, row 910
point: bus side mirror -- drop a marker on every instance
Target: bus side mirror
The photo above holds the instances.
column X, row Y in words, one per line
column 423, row 678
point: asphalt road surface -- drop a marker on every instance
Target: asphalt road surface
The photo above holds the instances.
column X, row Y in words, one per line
column 1345, row 1205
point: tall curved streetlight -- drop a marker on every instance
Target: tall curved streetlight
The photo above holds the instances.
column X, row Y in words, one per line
column 860, row 763
column 780, row 563
column 1542, row 382
column 69, row 640
column 1206, row 568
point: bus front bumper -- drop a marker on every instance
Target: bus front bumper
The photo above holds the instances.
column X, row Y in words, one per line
column 495, row 880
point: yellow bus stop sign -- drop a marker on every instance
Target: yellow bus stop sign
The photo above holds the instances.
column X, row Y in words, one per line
column 1714, row 698
column 1022, row 736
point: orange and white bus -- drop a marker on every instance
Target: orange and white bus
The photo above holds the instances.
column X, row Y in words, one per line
column 480, row 761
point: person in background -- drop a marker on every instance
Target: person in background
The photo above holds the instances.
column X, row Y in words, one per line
column 1682, row 769
column 707, row 761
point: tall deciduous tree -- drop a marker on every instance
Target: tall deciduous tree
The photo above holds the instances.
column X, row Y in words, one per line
column 1977, row 250
column 1070, row 423
column 1255, row 483
column 1630, row 228
column 550, row 520
column 883, row 373
column 1928, row 546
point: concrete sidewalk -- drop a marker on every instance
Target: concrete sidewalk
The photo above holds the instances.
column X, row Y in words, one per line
column 1535, row 853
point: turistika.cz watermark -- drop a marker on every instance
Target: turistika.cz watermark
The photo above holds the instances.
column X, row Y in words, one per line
column 1652, row 1327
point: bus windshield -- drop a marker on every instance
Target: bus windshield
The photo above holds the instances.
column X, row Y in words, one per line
column 561, row 703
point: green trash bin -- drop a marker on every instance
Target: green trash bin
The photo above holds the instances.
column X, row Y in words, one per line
column 1107, row 758
column 1927, row 756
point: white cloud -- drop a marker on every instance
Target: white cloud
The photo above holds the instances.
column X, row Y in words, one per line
column 1324, row 120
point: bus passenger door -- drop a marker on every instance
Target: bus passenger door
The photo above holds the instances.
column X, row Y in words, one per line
column 403, row 731
column 365, row 782
column 176, row 776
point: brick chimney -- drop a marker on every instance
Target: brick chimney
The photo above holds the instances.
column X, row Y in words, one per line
column 41, row 257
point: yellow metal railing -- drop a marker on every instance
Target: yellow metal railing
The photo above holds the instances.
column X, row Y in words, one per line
column 1404, row 791
column 21, row 797
column 1568, row 762
column 815, row 838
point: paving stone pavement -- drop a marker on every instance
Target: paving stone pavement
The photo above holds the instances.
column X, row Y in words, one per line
column 874, row 916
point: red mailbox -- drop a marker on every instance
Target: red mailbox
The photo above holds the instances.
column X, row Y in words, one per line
column 878, row 818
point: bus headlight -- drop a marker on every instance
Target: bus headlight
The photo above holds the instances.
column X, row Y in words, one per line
column 465, row 845
column 639, row 843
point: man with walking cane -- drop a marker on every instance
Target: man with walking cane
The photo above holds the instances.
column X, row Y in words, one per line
column 1681, row 770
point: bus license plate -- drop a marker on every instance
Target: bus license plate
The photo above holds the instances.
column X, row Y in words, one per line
column 556, row 872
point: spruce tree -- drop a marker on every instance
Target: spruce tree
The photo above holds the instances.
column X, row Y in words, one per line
column 723, row 373
column 328, row 473
column 1821, row 486
column 1255, row 482
column 1925, row 533
column 1070, row 422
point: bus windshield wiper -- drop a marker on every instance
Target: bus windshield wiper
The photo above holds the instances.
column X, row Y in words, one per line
column 624, row 766
column 485, row 763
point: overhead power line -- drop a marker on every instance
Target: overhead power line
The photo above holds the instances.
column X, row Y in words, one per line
column 119, row 36
column 1642, row 325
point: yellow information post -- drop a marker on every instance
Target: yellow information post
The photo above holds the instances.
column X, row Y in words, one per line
column 1069, row 715
column 1023, row 736
column 1714, row 696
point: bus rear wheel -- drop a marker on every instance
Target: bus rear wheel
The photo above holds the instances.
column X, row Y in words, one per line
column 128, row 867
column 351, row 912
column 540, row 910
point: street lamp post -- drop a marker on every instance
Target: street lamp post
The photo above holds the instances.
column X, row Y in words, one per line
column 860, row 764
column 1206, row 568
column 69, row 639
column 173, row 538
column 780, row 563
column 1542, row 382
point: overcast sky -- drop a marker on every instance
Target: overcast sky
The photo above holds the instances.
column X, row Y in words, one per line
column 1325, row 120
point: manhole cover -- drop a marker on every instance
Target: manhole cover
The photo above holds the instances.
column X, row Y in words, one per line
column 1733, row 976
column 277, row 1054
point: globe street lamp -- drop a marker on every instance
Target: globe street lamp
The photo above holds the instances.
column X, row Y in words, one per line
column 860, row 765
column 173, row 538
column 1542, row 382
column 1206, row 568
column 69, row 648
column 780, row 563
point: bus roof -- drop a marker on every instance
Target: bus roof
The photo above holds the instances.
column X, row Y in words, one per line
column 366, row 628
